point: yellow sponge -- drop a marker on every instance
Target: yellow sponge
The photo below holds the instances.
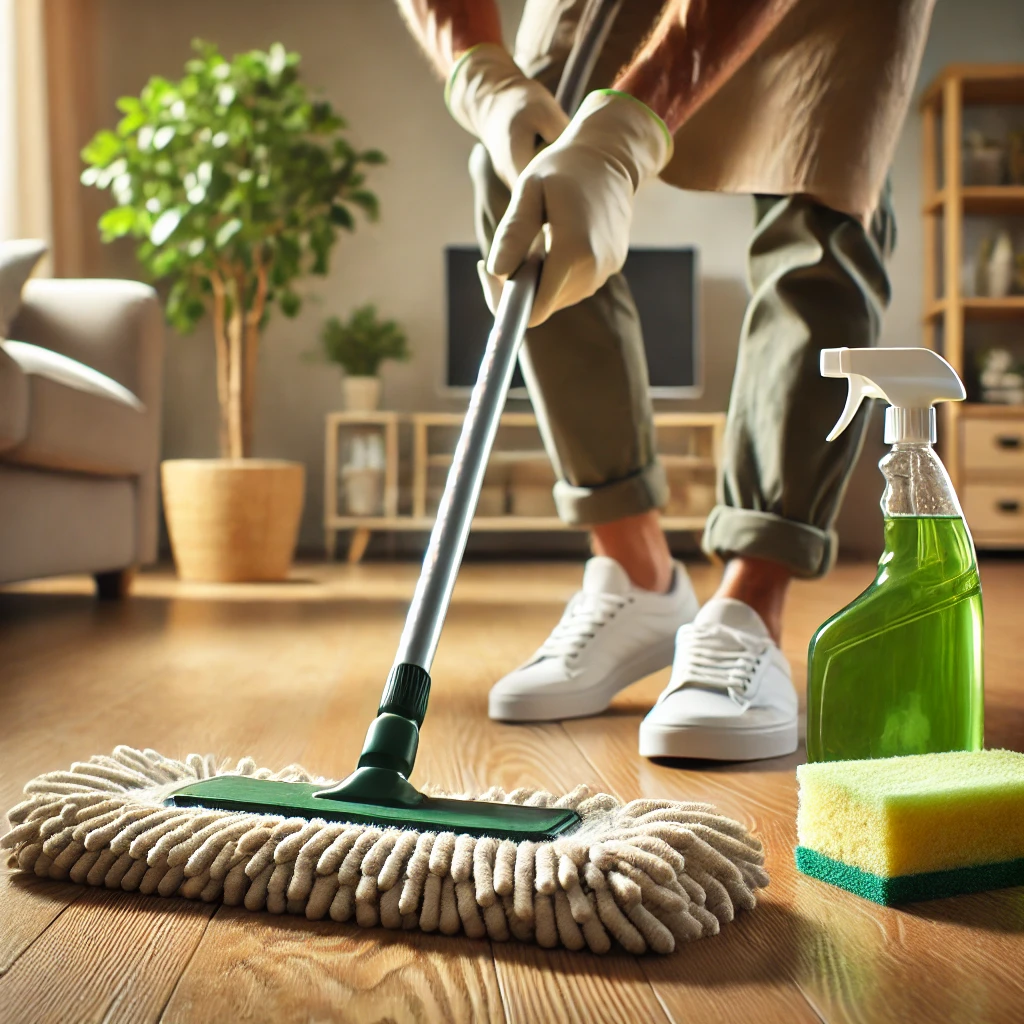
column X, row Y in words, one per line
column 914, row 823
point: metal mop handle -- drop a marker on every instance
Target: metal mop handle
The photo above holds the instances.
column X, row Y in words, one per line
column 462, row 490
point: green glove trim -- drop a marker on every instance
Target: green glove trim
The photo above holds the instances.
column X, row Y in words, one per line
column 458, row 65
column 643, row 106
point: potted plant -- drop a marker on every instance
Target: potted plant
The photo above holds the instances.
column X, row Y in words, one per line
column 359, row 345
column 236, row 182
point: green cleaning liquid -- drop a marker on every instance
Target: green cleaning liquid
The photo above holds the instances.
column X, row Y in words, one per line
column 899, row 671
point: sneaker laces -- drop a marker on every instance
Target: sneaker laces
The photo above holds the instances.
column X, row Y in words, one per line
column 584, row 615
column 703, row 660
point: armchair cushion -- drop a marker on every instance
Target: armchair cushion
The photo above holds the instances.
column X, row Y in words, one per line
column 78, row 420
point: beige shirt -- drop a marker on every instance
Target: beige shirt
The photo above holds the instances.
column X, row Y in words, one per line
column 816, row 109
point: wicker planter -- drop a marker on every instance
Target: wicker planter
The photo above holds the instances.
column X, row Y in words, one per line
column 230, row 521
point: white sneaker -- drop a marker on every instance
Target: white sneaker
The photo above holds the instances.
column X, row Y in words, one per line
column 610, row 635
column 731, row 695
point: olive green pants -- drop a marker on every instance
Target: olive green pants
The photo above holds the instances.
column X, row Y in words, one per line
column 817, row 279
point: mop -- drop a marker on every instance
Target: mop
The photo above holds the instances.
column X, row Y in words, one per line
column 581, row 870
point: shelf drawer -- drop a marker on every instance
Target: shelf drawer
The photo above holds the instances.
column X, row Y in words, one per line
column 995, row 509
column 994, row 445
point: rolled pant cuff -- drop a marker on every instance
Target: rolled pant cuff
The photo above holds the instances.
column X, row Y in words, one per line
column 806, row 550
column 630, row 496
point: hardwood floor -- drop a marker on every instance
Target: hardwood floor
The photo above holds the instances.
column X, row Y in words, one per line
column 292, row 672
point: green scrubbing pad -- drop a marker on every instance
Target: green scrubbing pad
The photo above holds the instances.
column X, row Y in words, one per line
column 911, row 828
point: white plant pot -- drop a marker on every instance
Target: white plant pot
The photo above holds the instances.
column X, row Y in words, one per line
column 363, row 490
column 361, row 394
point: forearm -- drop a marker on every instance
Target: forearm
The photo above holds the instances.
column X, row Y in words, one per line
column 694, row 49
column 445, row 29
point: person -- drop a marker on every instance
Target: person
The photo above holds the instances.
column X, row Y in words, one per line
column 797, row 103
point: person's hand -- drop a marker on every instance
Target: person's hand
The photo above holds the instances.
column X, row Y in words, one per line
column 580, row 190
column 492, row 99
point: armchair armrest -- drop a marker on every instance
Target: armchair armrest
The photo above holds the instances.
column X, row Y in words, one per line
column 112, row 326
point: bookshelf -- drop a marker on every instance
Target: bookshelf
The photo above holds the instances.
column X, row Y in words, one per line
column 983, row 443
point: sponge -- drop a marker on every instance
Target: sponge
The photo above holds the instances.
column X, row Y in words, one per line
column 899, row 829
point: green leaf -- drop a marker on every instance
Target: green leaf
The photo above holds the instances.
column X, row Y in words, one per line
column 131, row 123
column 164, row 136
column 165, row 226
column 227, row 231
column 290, row 303
column 165, row 261
column 102, row 148
column 341, row 216
column 277, row 59
column 118, row 222
column 366, row 201
column 373, row 156
column 184, row 307
column 360, row 344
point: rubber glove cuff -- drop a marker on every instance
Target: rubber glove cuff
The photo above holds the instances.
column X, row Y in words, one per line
column 643, row 136
column 580, row 191
column 489, row 96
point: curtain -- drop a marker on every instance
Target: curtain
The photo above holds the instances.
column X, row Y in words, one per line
column 25, row 208
column 8, row 124
column 69, row 39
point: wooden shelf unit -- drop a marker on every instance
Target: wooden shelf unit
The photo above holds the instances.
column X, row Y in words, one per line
column 334, row 424
column 983, row 444
column 692, row 464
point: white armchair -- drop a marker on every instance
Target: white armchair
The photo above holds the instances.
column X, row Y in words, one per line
column 80, row 400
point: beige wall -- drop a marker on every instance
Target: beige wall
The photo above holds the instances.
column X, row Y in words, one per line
column 358, row 52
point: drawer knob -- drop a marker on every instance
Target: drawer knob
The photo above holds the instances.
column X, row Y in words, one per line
column 1009, row 442
column 1008, row 506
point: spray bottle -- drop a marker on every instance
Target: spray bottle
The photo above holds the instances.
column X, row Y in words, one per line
column 899, row 671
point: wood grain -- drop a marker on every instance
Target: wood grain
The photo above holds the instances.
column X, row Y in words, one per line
column 292, row 672
column 28, row 906
column 110, row 956
column 257, row 967
column 585, row 989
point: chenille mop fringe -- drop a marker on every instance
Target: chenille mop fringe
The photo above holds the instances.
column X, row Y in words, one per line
column 646, row 875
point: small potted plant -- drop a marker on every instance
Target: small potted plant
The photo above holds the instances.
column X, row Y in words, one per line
column 359, row 345
column 236, row 181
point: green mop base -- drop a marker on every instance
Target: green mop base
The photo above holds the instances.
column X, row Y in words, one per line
column 429, row 814
column 909, row 888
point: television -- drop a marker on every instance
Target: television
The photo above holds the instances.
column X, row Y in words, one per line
column 664, row 287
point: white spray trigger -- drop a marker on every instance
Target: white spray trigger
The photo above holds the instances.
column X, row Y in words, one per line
column 906, row 378
column 860, row 388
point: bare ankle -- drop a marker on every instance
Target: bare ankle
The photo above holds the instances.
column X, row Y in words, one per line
column 638, row 544
column 762, row 585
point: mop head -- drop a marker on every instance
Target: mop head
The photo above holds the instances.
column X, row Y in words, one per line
column 914, row 828
column 647, row 874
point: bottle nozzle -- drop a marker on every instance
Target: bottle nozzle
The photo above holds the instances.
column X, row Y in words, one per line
column 911, row 380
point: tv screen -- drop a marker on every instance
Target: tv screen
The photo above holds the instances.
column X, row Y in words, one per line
column 663, row 282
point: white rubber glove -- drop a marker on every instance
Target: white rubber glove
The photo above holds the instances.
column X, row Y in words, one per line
column 580, row 190
column 492, row 99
